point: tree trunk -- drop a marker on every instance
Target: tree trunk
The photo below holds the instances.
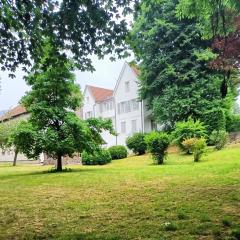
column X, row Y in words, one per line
column 59, row 162
column 15, row 157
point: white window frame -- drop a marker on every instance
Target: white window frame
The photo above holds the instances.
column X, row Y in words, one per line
column 134, row 125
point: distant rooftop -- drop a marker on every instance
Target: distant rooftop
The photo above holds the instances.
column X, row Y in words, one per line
column 99, row 93
column 14, row 112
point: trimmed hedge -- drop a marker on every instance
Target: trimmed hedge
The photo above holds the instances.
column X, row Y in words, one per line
column 118, row 152
column 136, row 143
column 97, row 158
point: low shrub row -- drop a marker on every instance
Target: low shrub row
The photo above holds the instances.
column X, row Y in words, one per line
column 190, row 136
column 104, row 156
column 118, row 152
column 100, row 157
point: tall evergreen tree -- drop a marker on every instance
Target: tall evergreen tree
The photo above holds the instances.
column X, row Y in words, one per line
column 174, row 60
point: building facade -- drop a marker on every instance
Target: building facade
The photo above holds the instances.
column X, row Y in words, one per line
column 121, row 104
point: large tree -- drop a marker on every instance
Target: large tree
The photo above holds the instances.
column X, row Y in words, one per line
column 80, row 27
column 175, row 77
column 53, row 127
column 219, row 21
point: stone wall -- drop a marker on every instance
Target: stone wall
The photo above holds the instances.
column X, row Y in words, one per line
column 76, row 159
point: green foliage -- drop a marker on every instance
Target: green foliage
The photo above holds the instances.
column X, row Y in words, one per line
column 100, row 157
column 136, row 143
column 175, row 80
column 5, row 130
column 53, row 98
column 24, row 137
column 157, row 144
column 214, row 119
column 199, row 148
column 118, row 152
column 214, row 18
column 233, row 123
column 80, row 27
column 188, row 129
column 219, row 139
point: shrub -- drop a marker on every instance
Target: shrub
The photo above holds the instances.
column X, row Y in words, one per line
column 186, row 130
column 214, row 120
column 118, row 152
column 157, row 144
column 218, row 139
column 100, row 157
column 137, row 144
column 233, row 123
column 188, row 145
column 199, row 148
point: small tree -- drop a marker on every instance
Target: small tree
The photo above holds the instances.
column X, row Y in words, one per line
column 157, row 143
column 199, row 148
column 53, row 127
column 136, row 143
column 219, row 139
column 7, row 129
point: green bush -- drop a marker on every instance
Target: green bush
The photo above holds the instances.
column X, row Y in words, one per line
column 100, row 157
column 233, row 123
column 199, row 148
column 137, row 144
column 214, row 120
column 218, row 139
column 118, row 152
column 157, row 144
column 188, row 129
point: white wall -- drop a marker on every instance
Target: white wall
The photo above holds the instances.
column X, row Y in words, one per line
column 107, row 114
column 121, row 94
column 88, row 103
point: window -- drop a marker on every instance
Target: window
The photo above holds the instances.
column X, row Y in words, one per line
column 106, row 106
column 128, row 106
column 134, row 126
column 88, row 115
column 127, row 86
column 135, row 104
column 87, row 99
column 123, row 127
column 153, row 125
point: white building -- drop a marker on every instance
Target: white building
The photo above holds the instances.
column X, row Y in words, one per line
column 121, row 105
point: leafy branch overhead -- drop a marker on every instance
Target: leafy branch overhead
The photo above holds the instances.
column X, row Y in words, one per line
column 79, row 27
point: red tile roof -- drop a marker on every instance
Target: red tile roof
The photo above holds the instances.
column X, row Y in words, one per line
column 100, row 94
column 14, row 112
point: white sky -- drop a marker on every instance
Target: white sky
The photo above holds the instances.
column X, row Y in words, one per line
column 106, row 75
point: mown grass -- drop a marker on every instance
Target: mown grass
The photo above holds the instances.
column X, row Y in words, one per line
column 127, row 199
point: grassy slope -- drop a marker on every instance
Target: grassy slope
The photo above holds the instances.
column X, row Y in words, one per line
column 127, row 199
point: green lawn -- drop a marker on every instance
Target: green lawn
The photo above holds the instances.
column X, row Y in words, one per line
column 127, row 199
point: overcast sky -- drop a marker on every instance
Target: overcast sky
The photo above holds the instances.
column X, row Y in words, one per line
column 106, row 75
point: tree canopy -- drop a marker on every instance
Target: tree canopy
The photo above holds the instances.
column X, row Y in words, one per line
column 174, row 61
column 81, row 28
column 53, row 127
